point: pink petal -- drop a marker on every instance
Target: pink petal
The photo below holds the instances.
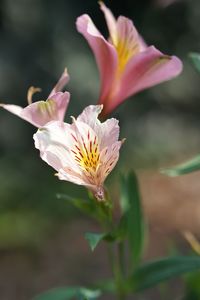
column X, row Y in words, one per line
column 111, row 22
column 61, row 83
column 62, row 101
column 144, row 70
column 127, row 34
column 104, row 52
column 41, row 112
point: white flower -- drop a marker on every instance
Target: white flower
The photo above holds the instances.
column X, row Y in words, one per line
column 83, row 152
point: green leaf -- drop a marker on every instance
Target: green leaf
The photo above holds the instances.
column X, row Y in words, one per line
column 124, row 200
column 94, row 238
column 58, row 294
column 157, row 271
column 190, row 166
column 195, row 58
column 88, row 294
column 86, row 206
column 133, row 217
column 192, row 287
column 69, row 293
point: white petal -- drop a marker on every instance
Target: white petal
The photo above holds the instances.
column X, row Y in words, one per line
column 107, row 132
column 90, row 115
column 15, row 109
column 54, row 142
column 70, row 175
column 109, row 157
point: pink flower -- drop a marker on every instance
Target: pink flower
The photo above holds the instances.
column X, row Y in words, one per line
column 41, row 112
column 126, row 64
column 83, row 152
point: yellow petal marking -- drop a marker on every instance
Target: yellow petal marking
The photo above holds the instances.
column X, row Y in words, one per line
column 87, row 154
column 125, row 50
column 47, row 107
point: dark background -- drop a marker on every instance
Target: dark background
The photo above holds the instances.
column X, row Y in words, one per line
column 41, row 237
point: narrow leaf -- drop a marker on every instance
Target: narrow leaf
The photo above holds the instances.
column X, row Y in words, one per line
column 64, row 293
column 195, row 58
column 94, row 239
column 192, row 287
column 157, row 271
column 85, row 206
column 69, row 293
column 124, row 201
column 133, row 218
column 190, row 166
column 89, row 294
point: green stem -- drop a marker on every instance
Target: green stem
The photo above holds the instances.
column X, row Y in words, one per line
column 121, row 258
column 116, row 258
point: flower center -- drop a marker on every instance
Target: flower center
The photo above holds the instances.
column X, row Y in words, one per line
column 47, row 107
column 87, row 153
column 125, row 51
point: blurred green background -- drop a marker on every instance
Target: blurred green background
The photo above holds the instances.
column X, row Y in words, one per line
column 41, row 237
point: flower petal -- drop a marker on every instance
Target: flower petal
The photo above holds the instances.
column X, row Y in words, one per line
column 144, row 70
column 62, row 100
column 107, row 132
column 111, row 22
column 60, row 84
column 127, row 35
column 109, row 157
column 41, row 112
column 54, row 142
column 90, row 115
column 70, row 175
column 105, row 53
column 148, row 69
column 80, row 153
column 14, row 109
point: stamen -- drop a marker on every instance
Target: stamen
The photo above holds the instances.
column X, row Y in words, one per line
column 31, row 91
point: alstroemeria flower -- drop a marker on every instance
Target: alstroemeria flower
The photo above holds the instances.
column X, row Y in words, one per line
column 126, row 64
column 83, row 152
column 41, row 112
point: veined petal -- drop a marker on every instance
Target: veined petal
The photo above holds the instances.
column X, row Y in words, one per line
column 55, row 142
column 110, row 132
column 109, row 157
column 70, row 175
column 107, row 132
column 105, row 53
column 60, row 84
column 144, row 70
